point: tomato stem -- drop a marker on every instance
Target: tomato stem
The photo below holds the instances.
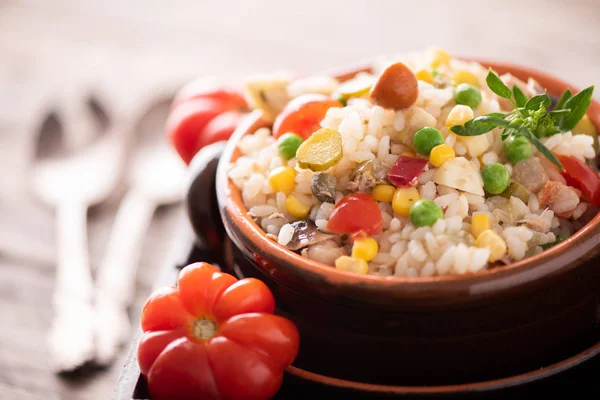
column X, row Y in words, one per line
column 204, row 329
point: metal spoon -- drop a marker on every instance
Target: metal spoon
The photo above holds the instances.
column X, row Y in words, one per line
column 72, row 176
column 156, row 177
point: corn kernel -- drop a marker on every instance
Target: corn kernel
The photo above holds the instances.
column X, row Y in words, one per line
column 438, row 57
column 296, row 208
column 351, row 264
column 440, row 154
column 479, row 224
column 365, row 249
column 384, row 193
column 408, row 154
column 424, row 75
column 585, row 127
column 403, row 199
column 464, row 76
column 282, row 179
column 459, row 115
column 490, row 240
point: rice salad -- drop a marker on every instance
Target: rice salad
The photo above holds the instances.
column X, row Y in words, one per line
column 389, row 173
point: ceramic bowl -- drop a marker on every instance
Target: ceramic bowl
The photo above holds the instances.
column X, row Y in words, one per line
column 424, row 331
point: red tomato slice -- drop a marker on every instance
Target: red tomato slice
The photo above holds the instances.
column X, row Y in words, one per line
column 208, row 87
column 580, row 176
column 406, row 170
column 186, row 122
column 354, row 213
column 303, row 115
column 220, row 128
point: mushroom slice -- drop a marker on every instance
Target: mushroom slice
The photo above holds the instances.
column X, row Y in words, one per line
column 306, row 234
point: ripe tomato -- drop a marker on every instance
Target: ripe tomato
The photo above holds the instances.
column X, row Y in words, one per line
column 208, row 87
column 303, row 115
column 220, row 128
column 214, row 337
column 186, row 123
column 193, row 110
column 354, row 213
column 580, row 176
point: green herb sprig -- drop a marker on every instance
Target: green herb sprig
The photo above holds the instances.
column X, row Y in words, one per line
column 531, row 118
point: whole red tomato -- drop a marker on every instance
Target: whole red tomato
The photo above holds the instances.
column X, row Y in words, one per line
column 214, row 337
column 190, row 125
column 187, row 121
column 303, row 115
column 208, row 87
column 220, row 128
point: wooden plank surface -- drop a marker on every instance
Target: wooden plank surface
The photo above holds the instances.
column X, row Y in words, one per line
column 125, row 50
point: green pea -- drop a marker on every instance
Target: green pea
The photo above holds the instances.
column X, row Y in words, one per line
column 288, row 144
column 468, row 95
column 495, row 178
column 517, row 148
column 425, row 213
column 426, row 139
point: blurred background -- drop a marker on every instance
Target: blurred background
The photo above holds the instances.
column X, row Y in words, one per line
column 126, row 50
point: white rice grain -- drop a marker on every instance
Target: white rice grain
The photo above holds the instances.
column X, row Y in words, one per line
column 416, row 250
column 285, row 234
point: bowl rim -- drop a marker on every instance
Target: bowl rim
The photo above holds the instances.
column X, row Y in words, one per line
column 554, row 259
column 485, row 386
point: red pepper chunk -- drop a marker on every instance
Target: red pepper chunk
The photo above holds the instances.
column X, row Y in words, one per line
column 406, row 170
column 354, row 213
column 580, row 176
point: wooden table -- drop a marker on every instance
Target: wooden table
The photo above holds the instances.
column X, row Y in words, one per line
column 123, row 50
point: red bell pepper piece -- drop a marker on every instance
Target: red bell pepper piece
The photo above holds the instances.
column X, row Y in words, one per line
column 579, row 175
column 406, row 170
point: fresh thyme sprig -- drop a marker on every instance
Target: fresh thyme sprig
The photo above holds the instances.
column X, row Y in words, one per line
column 531, row 118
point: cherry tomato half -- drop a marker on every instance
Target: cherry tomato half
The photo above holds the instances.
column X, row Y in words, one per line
column 582, row 177
column 354, row 213
column 303, row 115
column 214, row 337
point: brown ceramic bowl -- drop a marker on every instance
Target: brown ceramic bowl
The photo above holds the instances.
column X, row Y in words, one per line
column 425, row 331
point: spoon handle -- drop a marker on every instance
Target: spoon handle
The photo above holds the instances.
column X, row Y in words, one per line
column 70, row 338
column 117, row 273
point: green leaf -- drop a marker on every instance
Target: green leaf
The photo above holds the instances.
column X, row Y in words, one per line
column 520, row 97
column 479, row 126
column 508, row 132
column 578, row 105
column 563, row 99
column 459, row 130
column 497, row 115
column 497, row 86
column 537, row 101
column 489, row 119
column 541, row 147
column 560, row 113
